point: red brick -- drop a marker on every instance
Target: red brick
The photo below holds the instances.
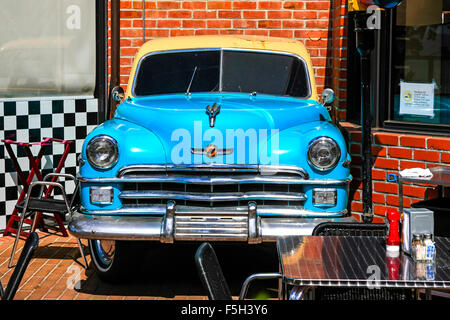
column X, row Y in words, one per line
column 445, row 157
column 269, row 4
column 394, row 201
column 404, row 164
column 230, row 14
column 206, row 32
column 386, row 163
column 414, row 191
column 379, row 151
column 194, row 24
column 181, row 32
column 254, row 14
column 193, row 4
column 305, row 15
column 413, row 141
column 356, row 206
column 219, row 24
column 378, row 174
column 267, row 24
column 279, row 15
column 318, row 5
column 180, row 14
column 438, row 143
column 281, row 33
column 169, row 4
column 378, row 198
column 380, row 210
column 385, row 187
column 244, row 4
column 294, row 5
column 357, row 196
column 386, row 138
column 230, row 31
column 169, row 23
column 244, row 24
column 377, row 219
column 316, row 23
column 426, row 155
column 294, row 24
column 400, row 153
column 205, row 14
column 219, row 4
column 127, row 14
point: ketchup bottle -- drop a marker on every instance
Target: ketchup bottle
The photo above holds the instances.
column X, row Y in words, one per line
column 393, row 238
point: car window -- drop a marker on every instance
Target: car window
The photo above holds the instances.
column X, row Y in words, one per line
column 242, row 71
column 264, row 73
column 173, row 72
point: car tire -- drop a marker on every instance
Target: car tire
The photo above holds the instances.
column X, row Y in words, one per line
column 114, row 261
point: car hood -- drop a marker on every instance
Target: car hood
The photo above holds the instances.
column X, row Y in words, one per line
column 177, row 116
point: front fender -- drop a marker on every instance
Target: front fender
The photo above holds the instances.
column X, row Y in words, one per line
column 136, row 145
column 293, row 148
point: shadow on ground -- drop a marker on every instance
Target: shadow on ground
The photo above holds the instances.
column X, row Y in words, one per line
column 169, row 271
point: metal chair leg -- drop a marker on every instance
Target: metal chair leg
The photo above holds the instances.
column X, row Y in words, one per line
column 80, row 245
column 19, row 227
column 16, row 240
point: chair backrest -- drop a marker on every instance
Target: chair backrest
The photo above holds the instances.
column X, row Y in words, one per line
column 349, row 229
column 211, row 273
column 28, row 250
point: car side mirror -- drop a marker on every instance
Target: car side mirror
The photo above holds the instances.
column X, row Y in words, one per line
column 117, row 94
column 327, row 96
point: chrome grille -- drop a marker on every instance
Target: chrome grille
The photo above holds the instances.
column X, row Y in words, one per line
column 212, row 185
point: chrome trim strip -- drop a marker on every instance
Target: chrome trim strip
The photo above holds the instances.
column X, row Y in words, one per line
column 149, row 228
column 216, row 180
column 261, row 210
column 215, row 167
column 215, row 197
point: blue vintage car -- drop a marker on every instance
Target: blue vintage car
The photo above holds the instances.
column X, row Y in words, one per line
column 217, row 139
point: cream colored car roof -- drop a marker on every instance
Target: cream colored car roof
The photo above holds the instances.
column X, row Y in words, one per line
column 235, row 42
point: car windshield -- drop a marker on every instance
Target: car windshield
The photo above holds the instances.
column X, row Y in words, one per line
column 222, row 71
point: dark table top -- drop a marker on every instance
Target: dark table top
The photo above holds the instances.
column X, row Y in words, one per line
column 358, row 261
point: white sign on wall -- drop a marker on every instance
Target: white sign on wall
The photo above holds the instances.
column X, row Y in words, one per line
column 417, row 99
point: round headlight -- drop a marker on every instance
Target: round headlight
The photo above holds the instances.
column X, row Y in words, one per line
column 323, row 153
column 102, row 152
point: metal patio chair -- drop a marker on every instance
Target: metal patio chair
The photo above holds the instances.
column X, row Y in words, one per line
column 25, row 257
column 33, row 205
column 356, row 229
column 212, row 277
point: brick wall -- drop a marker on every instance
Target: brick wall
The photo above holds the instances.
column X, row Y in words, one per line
column 391, row 153
column 319, row 24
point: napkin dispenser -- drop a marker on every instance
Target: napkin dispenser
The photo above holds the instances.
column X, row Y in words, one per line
column 415, row 221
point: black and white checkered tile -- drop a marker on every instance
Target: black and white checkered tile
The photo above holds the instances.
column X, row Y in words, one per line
column 32, row 121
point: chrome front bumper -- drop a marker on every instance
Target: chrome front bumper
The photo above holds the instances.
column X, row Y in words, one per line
column 173, row 227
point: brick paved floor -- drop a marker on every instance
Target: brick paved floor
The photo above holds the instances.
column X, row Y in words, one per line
column 56, row 273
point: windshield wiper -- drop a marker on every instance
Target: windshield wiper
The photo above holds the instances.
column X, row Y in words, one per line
column 192, row 79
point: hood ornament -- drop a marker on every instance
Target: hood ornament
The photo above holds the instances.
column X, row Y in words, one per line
column 212, row 112
column 212, row 151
